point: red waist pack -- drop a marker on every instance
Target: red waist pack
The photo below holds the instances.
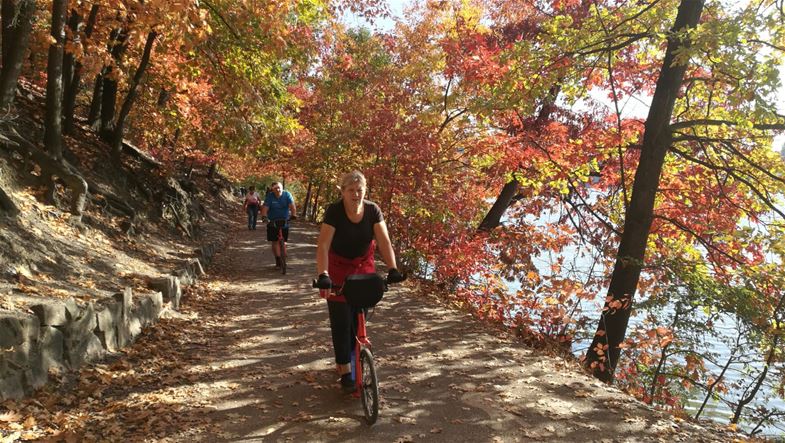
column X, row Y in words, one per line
column 341, row 267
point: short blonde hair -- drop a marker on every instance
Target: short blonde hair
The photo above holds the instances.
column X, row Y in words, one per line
column 351, row 178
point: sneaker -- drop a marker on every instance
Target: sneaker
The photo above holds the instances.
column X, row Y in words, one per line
column 347, row 384
column 277, row 262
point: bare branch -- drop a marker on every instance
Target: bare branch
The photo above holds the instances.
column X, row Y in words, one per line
column 714, row 122
column 700, row 239
column 217, row 13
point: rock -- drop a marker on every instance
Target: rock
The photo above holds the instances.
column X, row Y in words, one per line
column 170, row 289
column 157, row 301
column 108, row 316
column 16, row 329
column 82, row 324
column 206, row 253
column 107, row 320
column 87, row 349
column 11, row 386
column 123, row 334
column 198, row 268
column 135, row 326
column 125, row 299
column 150, row 308
column 71, row 309
column 185, row 276
column 144, row 312
column 50, row 313
column 80, row 344
column 108, row 339
column 51, row 346
column 35, row 374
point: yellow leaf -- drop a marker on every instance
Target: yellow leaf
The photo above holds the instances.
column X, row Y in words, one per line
column 30, row 422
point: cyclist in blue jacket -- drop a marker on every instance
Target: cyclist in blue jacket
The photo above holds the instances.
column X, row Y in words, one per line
column 278, row 205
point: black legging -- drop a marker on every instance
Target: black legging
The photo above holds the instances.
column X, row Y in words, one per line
column 343, row 323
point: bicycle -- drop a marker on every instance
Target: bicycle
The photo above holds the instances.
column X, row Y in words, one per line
column 280, row 224
column 362, row 291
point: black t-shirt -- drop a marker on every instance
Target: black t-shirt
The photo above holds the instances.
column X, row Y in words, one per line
column 352, row 240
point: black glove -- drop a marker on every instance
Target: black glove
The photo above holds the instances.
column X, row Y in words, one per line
column 324, row 282
column 393, row 276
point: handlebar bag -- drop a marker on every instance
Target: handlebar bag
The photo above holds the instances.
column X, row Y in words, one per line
column 363, row 290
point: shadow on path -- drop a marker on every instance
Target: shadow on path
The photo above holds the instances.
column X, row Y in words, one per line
column 443, row 375
column 249, row 359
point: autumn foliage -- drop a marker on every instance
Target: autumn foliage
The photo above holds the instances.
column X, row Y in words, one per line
column 459, row 99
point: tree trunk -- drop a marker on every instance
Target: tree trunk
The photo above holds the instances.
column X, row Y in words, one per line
column 710, row 389
column 108, row 105
column 748, row 397
column 68, row 57
column 604, row 351
column 163, row 97
column 16, row 36
column 315, row 207
column 307, row 200
column 663, row 357
column 93, row 117
column 7, row 12
column 176, row 137
column 53, row 124
column 72, row 89
column 509, row 192
column 117, row 144
column 774, row 351
column 503, row 201
column 118, row 43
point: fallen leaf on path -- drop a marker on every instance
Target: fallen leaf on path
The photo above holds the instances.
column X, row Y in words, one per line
column 10, row 438
column 29, row 422
column 406, row 420
column 10, row 416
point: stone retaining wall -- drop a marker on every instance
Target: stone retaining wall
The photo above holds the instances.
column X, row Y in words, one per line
column 65, row 335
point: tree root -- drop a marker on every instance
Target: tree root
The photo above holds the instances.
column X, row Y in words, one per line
column 7, row 205
column 50, row 166
column 109, row 202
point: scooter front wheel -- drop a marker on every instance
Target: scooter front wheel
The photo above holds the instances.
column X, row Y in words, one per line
column 369, row 388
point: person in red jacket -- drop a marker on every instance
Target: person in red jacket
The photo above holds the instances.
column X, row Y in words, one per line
column 251, row 206
column 350, row 231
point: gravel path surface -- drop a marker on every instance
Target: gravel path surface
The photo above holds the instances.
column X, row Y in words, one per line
column 443, row 375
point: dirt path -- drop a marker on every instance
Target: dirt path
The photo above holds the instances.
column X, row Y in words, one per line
column 442, row 376
column 250, row 359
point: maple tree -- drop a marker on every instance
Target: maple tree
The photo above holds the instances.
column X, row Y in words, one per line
column 575, row 168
